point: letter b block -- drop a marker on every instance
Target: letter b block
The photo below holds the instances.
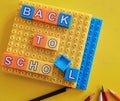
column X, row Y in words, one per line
column 64, row 20
column 71, row 74
column 27, row 11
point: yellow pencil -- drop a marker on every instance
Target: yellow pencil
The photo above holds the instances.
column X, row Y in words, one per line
column 115, row 95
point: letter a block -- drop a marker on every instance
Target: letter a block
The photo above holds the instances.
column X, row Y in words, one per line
column 72, row 74
column 27, row 11
column 64, row 20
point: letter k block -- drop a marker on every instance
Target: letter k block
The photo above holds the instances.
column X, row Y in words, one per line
column 64, row 20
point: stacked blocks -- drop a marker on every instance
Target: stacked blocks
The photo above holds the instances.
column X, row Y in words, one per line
column 48, row 16
column 89, row 52
column 62, row 62
column 41, row 33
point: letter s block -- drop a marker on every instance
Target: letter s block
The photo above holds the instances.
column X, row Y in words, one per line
column 72, row 74
column 21, row 62
column 39, row 40
column 8, row 60
column 27, row 11
column 64, row 20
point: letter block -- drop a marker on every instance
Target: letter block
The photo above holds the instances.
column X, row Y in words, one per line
column 51, row 17
column 27, row 11
column 39, row 14
column 8, row 60
column 20, row 62
column 71, row 74
column 39, row 40
column 64, row 20
column 33, row 65
column 46, row 68
column 52, row 43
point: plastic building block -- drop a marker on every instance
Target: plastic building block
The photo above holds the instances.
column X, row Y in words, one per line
column 44, row 41
column 89, row 52
column 64, row 20
column 27, row 11
column 71, row 74
column 51, row 17
column 20, row 62
column 62, row 62
column 7, row 60
column 39, row 14
column 71, row 44
column 52, row 43
column 39, row 40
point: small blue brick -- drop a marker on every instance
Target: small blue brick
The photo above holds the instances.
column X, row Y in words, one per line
column 88, row 56
column 62, row 62
column 72, row 74
column 64, row 20
column 27, row 11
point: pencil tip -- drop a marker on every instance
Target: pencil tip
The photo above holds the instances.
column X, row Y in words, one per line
column 102, row 88
column 91, row 96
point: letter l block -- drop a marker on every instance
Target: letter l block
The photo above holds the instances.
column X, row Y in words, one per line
column 71, row 74
column 27, row 11
column 64, row 20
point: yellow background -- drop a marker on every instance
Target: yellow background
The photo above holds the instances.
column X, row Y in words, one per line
column 106, row 66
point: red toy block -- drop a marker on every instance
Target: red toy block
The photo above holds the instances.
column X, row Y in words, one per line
column 39, row 14
column 8, row 60
column 39, row 40
column 51, row 17
column 20, row 62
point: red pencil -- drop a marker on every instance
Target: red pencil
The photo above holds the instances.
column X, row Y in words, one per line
column 89, row 97
column 104, row 94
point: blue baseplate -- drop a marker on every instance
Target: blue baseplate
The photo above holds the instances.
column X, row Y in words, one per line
column 88, row 56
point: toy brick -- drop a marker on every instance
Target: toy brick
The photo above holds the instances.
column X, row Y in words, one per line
column 8, row 60
column 20, row 62
column 39, row 14
column 64, row 20
column 33, row 65
column 46, row 68
column 51, row 17
column 52, row 43
column 27, row 11
column 71, row 74
column 72, row 42
column 62, row 62
column 89, row 52
column 39, row 40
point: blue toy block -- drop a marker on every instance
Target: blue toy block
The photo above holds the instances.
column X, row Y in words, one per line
column 64, row 20
column 27, row 11
column 72, row 74
column 62, row 62
column 89, row 52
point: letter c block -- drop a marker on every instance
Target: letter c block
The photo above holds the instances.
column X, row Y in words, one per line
column 27, row 11
column 64, row 20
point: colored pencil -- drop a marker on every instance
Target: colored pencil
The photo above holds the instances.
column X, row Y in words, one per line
column 89, row 97
column 50, row 94
column 100, row 97
column 116, row 96
column 104, row 94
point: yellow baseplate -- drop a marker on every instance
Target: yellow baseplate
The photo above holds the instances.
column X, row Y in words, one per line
column 72, row 42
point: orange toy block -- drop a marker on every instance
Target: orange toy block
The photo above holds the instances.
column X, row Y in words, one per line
column 51, row 17
column 21, row 62
column 8, row 60
column 39, row 40
column 39, row 14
